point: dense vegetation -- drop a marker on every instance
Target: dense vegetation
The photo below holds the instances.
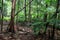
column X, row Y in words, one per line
column 37, row 14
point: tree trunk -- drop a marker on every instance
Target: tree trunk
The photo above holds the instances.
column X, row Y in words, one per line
column 25, row 12
column 12, row 27
column 55, row 16
column 2, row 17
column 45, row 20
column 29, row 11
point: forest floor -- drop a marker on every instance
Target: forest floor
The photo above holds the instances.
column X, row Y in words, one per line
column 26, row 33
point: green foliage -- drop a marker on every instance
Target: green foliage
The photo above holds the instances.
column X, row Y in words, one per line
column 6, row 18
column 39, row 5
column 37, row 26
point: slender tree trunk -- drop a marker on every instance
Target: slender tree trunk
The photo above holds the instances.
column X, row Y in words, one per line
column 55, row 16
column 45, row 20
column 29, row 11
column 2, row 18
column 25, row 11
column 12, row 27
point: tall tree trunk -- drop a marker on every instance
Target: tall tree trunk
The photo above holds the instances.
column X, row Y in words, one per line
column 2, row 18
column 45, row 20
column 12, row 27
column 55, row 16
column 29, row 11
column 25, row 11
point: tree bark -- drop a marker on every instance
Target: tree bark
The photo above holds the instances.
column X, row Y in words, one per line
column 2, row 17
column 29, row 19
column 55, row 16
column 25, row 12
column 12, row 27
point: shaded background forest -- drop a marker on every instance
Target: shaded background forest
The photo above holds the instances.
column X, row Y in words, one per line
column 38, row 15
